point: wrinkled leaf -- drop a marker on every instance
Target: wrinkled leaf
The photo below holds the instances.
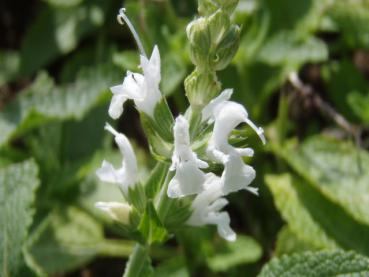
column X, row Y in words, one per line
column 339, row 170
column 18, row 183
column 43, row 102
column 295, row 213
column 65, row 240
column 318, row 264
column 289, row 243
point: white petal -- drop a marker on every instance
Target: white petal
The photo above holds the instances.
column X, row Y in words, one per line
column 143, row 89
column 116, row 106
column 218, row 204
column 133, row 86
column 210, row 110
column 222, row 220
column 117, row 89
column 151, row 67
column 236, row 175
column 245, row 152
column 127, row 175
column 203, row 201
column 188, row 180
column 107, row 173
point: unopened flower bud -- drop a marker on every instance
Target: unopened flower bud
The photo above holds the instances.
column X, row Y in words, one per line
column 199, row 36
column 227, row 48
column 117, row 211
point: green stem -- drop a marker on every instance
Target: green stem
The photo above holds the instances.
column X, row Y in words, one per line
column 282, row 118
column 115, row 248
column 136, row 262
column 164, row 202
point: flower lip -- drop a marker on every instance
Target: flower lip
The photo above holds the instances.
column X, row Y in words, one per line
column 207, row 205
column 188, row 178
column 125, row 176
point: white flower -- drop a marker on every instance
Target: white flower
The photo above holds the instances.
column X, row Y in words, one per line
column 116, row 210
column 227, row 115
column 237, row 175
column 188, row 179
column 207, row 205
column 125, row 176
column 143, row 89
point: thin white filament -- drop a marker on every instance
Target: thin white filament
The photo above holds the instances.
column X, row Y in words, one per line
column 110, row 129
column 122, row 18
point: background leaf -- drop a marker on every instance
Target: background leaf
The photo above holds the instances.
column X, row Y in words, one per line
column 64, row 241
column 318, row 264
column 18, row 183
column 339, row 170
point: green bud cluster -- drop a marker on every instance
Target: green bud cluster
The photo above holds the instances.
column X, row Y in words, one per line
column 213, row 41
column 207, row 7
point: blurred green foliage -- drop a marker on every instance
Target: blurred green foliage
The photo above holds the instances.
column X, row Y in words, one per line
column 57, row 61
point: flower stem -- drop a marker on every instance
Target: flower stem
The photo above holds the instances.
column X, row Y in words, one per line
column 164, row 202
column 136, row 262
column 115, row 248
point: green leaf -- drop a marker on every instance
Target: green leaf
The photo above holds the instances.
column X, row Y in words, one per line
column 159, row 148
column 137, row 197
column 63, row 3
column 324, row 217
column 289, row 243
column 353, row 21
column 339, row 170
column 150, row 226
column 156, row 179
column 65, row 240
column 293, row 211
column 178, row 213
column 318, row 264
column 18, row 183
column 127, row 60
column 57, row 31
column 359, row 104
column 173, row 73
column 244, row 250
column 343, row 79
column 174, row 267
column 43, row 102
column 9, row 66
column 286, row 49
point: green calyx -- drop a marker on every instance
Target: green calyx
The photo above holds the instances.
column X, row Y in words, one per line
column 213, row 41
column 201, row 87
